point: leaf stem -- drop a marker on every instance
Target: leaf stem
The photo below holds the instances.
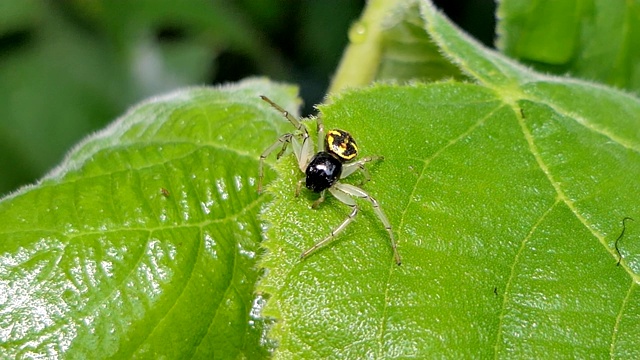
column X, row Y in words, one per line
column 361, row 58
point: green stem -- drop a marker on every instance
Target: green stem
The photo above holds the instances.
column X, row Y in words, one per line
column 361, row 59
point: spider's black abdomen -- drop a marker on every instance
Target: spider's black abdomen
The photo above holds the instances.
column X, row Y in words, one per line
column 323, row 171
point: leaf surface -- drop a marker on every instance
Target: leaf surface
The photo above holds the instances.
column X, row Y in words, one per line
column 506, row 197
column 594, row 40
column 408, row 53
column 143, row 242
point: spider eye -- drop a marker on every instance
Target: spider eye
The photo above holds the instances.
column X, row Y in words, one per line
column 341, row 144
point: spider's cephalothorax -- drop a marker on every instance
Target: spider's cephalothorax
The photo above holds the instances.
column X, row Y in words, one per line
column 341, row 144
column 334, row 160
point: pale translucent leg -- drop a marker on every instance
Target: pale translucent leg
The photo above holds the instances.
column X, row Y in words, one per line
column 295, row 122
column 303, row 150
column 350, row 168
column 357, row 192
column 283, row 141
column 345, row 199
column 344, row 193
column 320, row 199
column 321, row 133
column 299, row 186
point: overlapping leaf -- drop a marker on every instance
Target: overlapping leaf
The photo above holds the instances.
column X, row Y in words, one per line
column 594, row 40
column 143, row 242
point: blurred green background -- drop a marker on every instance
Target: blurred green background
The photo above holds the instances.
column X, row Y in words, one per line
column 68, row 68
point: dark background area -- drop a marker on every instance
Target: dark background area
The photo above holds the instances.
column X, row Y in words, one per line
column 68, row 68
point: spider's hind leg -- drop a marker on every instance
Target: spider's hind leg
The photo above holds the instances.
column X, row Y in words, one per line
column 355, row 191
column 346, row 194
column 346, row 199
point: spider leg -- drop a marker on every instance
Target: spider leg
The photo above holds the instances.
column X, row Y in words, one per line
column 295, row 122
column 320, row 199
column 303, row 151
column 321, row 133
column 355, row 191
column 350, row 168
column 283, row 141
column 345, row 198
column 299, row 186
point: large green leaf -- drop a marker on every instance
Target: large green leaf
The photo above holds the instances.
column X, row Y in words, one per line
column 506, row 197
column 144, row 241
column 595, row 40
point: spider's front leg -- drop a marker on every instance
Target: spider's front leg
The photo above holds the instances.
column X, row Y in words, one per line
column 302, row 147
column 283, row 141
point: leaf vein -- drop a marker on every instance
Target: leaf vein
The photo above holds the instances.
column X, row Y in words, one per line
column 616, row 327
column 625, row 143
column 508, row 285
column 224, row 296
column 426, row 163
column 563, row 197
column 182, row 292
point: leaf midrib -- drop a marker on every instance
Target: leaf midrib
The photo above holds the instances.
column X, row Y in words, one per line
column 563, row 197
column 524, row 76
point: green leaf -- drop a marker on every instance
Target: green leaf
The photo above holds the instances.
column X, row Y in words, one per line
column 361, row 58
column 592, row 40
column 408, row 53
column 506, row 198
column 388, row 43
column 144, row 241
